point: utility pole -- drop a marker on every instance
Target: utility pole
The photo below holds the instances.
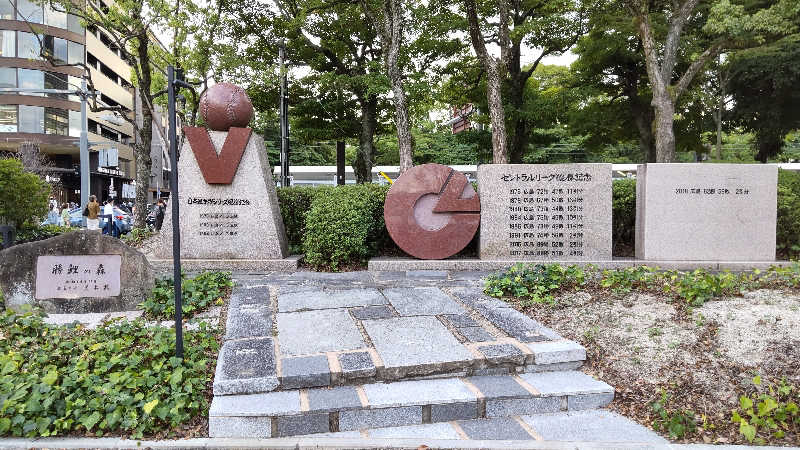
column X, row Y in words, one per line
column 84, row 151
column 284, row 118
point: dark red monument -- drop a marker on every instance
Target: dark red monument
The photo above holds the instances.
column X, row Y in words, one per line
column 432, row 211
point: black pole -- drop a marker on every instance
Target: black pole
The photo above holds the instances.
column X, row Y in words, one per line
column 340, row 179
column 284, row 119
column 176, row 230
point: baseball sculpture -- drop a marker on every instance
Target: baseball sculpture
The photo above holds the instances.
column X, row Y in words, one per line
column 226, row 105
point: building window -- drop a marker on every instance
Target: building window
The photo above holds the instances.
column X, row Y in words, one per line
column 8, row 78
column 30, row 79
column 56, row 121
column 74, row 84
column 108, row 133
column 31, row 119
column 8, row 48
column 55, row 81
column 7, row 10
column 74, row 24
column 28, row 46
column 56, row 47
column 8, row 118
column 30, row 11
column 75, row 123
column 75, row 53
column 55, row 18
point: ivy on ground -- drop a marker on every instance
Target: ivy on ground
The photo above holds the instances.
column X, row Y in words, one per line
column 199, row 293
column 121, row 378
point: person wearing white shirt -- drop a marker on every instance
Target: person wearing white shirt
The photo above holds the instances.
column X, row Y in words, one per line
column 108, row 211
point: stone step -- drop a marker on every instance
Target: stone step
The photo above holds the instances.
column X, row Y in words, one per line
column 290, row 337
column 403, row 403
column 597, row 426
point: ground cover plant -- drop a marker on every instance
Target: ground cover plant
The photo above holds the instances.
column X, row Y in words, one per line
column 199, row 293
column 700, row 356
column 137, row 237
column 121, row 378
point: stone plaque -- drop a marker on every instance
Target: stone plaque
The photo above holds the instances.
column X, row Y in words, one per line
column 239, row 220
column 706, row 212
column 77, row 276
column 545, row 212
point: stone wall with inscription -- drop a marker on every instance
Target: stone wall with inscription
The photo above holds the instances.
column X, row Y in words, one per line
column 544, row 212
column 240, row 220
column 706, row 212
column 78, row 272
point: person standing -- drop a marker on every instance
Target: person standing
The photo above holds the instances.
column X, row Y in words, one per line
column 92, row 211
column 108, row 214
column 161, row 207
column 65, row 215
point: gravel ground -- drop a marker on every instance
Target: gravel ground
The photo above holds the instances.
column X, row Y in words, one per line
column 704, row 358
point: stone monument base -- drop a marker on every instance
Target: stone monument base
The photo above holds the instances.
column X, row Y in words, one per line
column 288, row 264
column 398, row 264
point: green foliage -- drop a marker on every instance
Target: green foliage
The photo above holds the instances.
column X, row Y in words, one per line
column 137, row 236
column 675, row 421
column 295, row 201
column 23, row 195
column 534, row 284
column 199, row 293
column 538, row 283
column 788, row 229
column 120, row 378
column 345, row 226
column 623, row 212
column 768, row 413
column 33, row 233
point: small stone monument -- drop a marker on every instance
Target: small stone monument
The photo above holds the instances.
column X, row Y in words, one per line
column 228, row 203
column 706, row 212
column 545, row 212
column 79, row 272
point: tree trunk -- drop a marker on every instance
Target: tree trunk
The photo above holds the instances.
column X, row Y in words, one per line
column 519, row 142
column 144, row 163
column 401, row 122
column 494, row 99
column 664, row 120
column 392, row 39
column 362, row 166
column 718, row 121
column 643, row 118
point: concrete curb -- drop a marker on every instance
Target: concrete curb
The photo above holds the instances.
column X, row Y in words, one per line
column 342, row 443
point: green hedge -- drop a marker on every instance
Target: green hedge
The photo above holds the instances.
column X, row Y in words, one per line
column 788, row 230
column 295, row 201
column 623, row 216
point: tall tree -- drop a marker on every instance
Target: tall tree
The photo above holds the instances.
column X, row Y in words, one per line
column 723, row 26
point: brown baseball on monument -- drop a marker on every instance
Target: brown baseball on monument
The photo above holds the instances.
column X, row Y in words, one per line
column 226, row 105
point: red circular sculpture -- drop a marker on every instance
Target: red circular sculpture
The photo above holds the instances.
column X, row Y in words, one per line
column 226, row 105
column 432, row 211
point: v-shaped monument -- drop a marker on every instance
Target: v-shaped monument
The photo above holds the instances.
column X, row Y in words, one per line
column 228, row 202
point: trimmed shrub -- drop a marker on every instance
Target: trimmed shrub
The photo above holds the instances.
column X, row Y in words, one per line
column 623, row 215
column 23, row 195
column 344, row 225
column 788, row 227
column 295, row 201
column 39, row 233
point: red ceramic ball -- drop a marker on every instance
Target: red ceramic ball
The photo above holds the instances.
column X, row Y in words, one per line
column 226, row 105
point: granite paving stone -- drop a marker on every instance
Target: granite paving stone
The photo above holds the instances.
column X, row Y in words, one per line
column 408, row 341
column 589, row 401
column 563, row 383
column 305, row 371
column 246, row 366
column 418, row 392
column 476, row 334
column 523, row 406
column 425, row 431
column 499, row 386
column 516, row 324
column 302, row 424
column 359, row 419
column 501, row 428
column 270, row 404
column 372, row 312
column 557, row 352
column 591, row 426
column 427, row 274
column 341, row 397
column 240, row 294
column 461, row 320
column 249, row 316
column 503, row 352
column 422, row 301
column 327, row 299
column 309, row 332
column 238, row 427
column 356, row 365
column 454, row 411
